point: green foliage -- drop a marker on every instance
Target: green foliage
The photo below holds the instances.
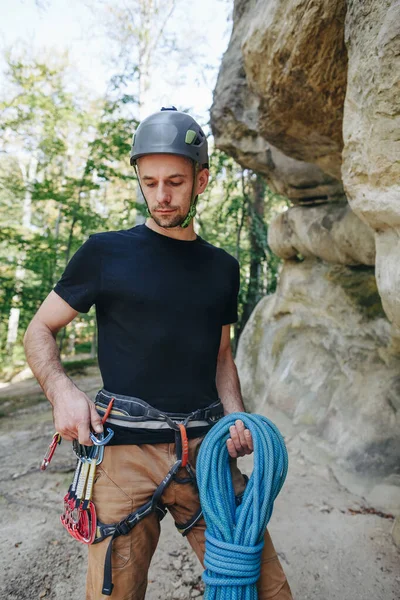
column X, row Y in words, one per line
column 77, row 367
column 65, row 174
column 234, row 215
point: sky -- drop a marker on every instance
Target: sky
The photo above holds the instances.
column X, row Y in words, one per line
column 59, row 25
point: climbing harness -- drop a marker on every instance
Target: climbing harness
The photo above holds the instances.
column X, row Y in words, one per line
column 235, row 532
column 140, row 414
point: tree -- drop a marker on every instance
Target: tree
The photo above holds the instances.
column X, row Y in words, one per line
column 64, row 173
column 233, row 214
column 148, row 49
column 30, row 127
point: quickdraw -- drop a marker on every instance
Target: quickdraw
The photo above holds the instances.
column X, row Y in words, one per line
column 79, row 516
column 79, row 523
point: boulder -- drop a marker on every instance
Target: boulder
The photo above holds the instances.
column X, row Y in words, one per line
column 329, row 231
column 308, row 95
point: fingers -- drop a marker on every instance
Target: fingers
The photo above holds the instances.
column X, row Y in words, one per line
column 231, row 448
column 75, row 419
column 95, row 419
column 67, row 436
column 84, row 434
column 66, row 431
column 240, row 442
column 249, row 439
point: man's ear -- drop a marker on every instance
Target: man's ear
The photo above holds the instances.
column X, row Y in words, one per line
column 202, row 180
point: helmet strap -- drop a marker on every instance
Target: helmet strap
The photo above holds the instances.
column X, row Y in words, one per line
column 193, row 200
column 148, row 213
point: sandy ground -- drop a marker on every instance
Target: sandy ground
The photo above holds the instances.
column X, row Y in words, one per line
column 327, row 552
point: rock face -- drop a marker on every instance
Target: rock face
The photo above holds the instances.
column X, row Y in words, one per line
column 237, row 117
column 319, row 350
column 295, row 61
column 308, row 94
column 371, row 158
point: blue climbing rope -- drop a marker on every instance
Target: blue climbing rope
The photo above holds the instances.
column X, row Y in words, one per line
column 235, row 533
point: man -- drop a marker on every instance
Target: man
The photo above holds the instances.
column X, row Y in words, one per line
column 164, row 300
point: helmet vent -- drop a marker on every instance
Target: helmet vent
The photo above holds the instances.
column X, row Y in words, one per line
column 194, row 138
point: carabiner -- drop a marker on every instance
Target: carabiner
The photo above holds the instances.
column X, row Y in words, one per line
column 101, row 440
column 50, row 451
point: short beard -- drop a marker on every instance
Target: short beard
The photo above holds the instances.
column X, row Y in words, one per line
column 176, row 222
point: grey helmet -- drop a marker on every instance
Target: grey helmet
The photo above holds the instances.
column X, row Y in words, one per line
column 170, row 132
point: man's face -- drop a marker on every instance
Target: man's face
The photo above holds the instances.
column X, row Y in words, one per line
column 167, row 183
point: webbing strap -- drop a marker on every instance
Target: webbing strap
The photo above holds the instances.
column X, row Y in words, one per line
column 134, row 413
column 127, row 524
column 184, row 528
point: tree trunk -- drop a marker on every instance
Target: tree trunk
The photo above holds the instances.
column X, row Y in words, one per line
column 93, row 349
column 28, row 176
column 257, row 252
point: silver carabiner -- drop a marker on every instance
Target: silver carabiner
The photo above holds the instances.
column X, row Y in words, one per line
column 101, row 440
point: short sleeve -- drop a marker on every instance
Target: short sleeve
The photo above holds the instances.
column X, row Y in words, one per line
column 80, row 283
column 231, row 311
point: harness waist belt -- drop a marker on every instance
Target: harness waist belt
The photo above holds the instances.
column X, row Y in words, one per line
column 135, row 413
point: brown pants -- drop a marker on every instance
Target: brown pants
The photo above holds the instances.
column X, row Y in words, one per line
column 126, row 480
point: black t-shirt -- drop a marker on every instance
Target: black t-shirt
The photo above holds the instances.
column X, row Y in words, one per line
column 160, row 306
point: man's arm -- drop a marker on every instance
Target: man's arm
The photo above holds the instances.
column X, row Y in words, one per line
column 228, row 386
column 73, row 410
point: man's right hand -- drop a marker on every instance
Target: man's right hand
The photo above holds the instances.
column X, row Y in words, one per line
column 75, row 416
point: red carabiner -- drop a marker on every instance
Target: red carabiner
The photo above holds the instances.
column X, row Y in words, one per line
column 50, row 451
column 81, row 524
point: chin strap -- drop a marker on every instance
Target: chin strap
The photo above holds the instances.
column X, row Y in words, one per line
column 193, row 199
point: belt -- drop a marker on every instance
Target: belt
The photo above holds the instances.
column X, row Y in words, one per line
column 135, row 413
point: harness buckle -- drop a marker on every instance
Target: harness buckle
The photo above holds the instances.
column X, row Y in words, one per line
column 123, row 527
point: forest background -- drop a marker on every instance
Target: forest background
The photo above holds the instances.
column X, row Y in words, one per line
column 67, row 115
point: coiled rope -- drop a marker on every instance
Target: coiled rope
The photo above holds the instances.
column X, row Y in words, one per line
column 234, row 533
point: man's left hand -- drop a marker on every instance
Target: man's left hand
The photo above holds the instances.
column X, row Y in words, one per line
column 241, row 442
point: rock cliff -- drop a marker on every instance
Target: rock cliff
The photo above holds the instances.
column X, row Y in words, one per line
column 308, row 95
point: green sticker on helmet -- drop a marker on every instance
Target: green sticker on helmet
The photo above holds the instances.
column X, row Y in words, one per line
column 190, row 136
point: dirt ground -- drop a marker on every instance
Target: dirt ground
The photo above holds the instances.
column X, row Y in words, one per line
column 328, row 552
